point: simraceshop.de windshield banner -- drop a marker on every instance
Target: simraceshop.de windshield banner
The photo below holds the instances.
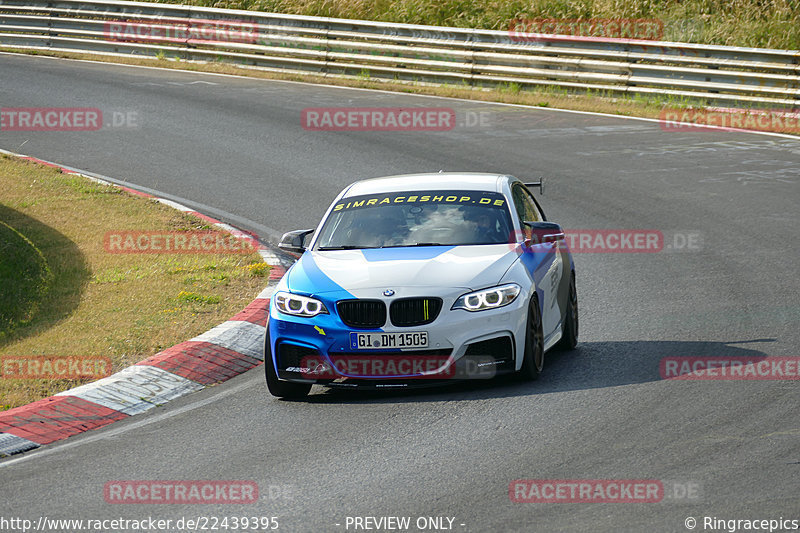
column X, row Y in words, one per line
column 481, row 198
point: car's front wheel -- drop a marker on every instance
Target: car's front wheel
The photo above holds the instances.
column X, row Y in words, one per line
column 276, row 387
column 533, row 359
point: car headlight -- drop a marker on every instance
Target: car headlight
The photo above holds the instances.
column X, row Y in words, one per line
column 488, row 298
column 294, row 304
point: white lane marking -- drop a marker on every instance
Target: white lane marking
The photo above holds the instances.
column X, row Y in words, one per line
column 10, row 444
column 120, row 427
column 266, row 293
column 135, row 389
column 396, row 93
column 174, row 205
column 237, row 335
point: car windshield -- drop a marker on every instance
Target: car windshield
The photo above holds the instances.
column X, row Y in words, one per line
column 419, row 218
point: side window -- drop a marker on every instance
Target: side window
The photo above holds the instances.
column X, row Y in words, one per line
column 519, row 202
column 525, row 205
column 534, row 213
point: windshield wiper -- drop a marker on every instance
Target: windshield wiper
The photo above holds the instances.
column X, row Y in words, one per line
column 354, row 247
column 343, row 247
column 413, row 245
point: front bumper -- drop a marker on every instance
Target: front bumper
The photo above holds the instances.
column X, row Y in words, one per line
column 461, row 345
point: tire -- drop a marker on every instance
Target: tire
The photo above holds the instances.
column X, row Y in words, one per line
column 281, row 389
column 533, row 359
column 569, row 329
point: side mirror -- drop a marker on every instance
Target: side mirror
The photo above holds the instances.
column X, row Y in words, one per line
column 545, row 232
column 294, row 241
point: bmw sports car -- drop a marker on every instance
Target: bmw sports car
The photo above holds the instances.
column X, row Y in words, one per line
column 421, row 279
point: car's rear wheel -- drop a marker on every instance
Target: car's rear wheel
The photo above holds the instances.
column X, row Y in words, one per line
column 533, row 359
column 569, row 330
column 276, row 387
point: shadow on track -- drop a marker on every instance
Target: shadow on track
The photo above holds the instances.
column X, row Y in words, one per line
column 592, row 365
column 68, row 266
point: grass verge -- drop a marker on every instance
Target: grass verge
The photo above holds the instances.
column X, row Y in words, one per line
column 79, row 300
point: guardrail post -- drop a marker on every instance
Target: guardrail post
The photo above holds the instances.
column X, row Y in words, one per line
column 50, row 16
column 327, row 58
column 471, row 80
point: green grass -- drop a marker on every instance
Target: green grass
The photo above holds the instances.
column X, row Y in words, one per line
column 185, row 296
column 758, row 23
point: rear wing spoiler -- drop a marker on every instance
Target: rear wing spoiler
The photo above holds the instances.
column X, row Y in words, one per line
column 536, row 184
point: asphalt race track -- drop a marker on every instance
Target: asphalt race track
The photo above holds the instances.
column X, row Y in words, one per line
column 724, row 449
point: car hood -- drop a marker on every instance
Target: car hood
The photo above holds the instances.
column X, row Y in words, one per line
column 469, row 267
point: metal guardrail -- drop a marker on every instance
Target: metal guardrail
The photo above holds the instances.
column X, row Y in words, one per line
column 404, row 52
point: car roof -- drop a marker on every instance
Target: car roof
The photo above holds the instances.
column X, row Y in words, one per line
column 463, row 181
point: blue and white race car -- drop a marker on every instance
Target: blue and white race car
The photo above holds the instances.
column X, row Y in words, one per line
column 421, row 278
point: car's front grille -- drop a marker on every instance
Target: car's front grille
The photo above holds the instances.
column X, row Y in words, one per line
column 408, row 312
column 362, row 313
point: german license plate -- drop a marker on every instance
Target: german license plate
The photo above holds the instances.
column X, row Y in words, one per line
column 381, row 341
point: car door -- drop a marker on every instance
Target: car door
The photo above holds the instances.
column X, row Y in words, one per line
column 542, row 258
